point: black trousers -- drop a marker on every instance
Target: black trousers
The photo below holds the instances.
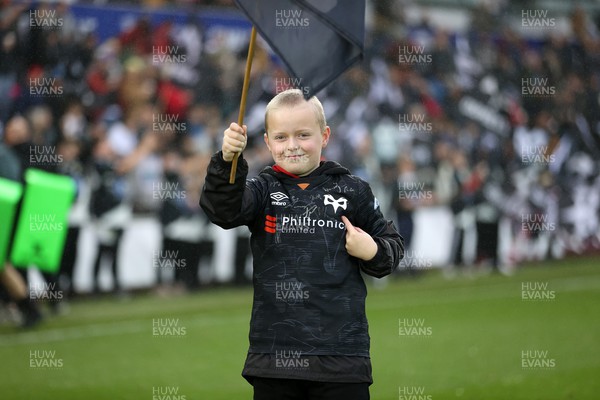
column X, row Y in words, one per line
column 293, row 389
column 69, row 256
column 112, row 251
column 487, row 241
column 188, row 255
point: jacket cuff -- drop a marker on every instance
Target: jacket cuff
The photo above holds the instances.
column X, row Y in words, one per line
column 379, row 256
column 219, row 161
column 379, row 265
column 225, row 167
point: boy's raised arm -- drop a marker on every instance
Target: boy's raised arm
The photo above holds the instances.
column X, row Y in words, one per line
column 229, row 205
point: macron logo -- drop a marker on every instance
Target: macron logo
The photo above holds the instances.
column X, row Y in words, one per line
column 335, row 203
column 278, row 199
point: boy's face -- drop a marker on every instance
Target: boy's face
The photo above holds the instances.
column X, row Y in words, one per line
column 295, row 139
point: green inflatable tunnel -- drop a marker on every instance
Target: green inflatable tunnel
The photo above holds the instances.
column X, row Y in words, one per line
column 10, row 194
column 42, row 225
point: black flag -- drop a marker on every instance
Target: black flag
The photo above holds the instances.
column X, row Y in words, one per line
column 317, row 40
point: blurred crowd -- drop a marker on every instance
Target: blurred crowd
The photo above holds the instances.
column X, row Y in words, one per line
column 501, row 130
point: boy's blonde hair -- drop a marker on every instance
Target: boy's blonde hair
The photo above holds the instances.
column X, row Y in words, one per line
column 292, row 97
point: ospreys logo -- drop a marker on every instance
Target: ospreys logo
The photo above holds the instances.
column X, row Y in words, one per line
column 278, row 199
column 335, row 203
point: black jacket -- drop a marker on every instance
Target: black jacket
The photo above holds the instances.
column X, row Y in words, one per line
column 309, row 294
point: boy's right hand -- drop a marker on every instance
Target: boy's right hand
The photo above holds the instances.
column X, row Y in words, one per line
column 234, row 141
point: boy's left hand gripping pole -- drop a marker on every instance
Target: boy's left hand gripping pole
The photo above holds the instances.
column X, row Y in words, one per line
column 243, row 99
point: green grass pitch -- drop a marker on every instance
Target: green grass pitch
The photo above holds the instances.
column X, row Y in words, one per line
column 431, row 339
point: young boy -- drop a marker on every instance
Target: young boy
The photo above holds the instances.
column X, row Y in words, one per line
column 314, row 229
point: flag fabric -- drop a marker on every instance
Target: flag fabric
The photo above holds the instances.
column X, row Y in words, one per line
column 42, row 223
column 317, row 40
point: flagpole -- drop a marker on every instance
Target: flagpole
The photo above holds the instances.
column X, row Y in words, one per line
column 243, row 99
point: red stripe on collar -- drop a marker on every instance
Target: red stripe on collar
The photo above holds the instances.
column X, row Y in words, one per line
column 277, row 168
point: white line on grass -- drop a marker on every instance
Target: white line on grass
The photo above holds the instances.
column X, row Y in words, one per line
column 508, row 290
column 102, row 330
